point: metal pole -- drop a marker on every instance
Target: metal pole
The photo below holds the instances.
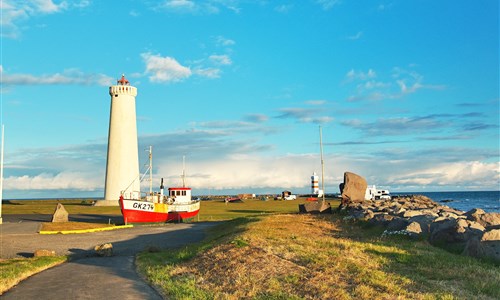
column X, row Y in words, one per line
column 1, row 175
column 322, row 162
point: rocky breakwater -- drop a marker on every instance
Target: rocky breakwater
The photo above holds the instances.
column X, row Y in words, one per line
column 475, row 233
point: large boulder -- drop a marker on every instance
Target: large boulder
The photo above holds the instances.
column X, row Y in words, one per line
column 488, row 220
column 454, row 232
column 60, row 214
column 354, row 188
column 488, row 245
column 315, row 207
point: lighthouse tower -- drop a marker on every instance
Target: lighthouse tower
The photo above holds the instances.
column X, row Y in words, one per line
column 122, row 168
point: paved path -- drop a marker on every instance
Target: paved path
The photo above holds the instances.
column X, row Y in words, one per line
column 87, row 276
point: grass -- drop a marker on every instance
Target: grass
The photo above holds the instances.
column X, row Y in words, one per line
column 218, row 210
column 13, row 271
column 73, row 206
column 292, row 256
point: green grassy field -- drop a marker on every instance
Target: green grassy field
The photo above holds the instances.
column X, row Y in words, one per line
column 73, row 206
column 211, row 210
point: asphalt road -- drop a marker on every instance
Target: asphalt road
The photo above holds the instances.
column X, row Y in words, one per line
column 87, row 276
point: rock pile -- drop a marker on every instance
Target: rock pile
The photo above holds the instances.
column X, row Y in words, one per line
column 475, row 233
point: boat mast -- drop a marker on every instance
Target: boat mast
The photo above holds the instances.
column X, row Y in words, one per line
column 151, row 170
column 322, row 162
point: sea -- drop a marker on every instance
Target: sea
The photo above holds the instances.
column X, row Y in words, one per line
column 489, row 201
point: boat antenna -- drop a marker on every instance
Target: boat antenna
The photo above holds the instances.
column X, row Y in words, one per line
column 322, row 162
column 183, row 171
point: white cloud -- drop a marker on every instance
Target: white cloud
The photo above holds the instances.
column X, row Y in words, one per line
column 207, row 72
column 357, row 36
column 284, row 8
column 327, row 4
column 316, row 102
column 469, row 173
column 70, row 76
column 305, row 115
column 220, row 59
column 164, row 69
column 222, row 41
column 180, row 4
column 360, row 75
column 401, row 83
column 47, row 6
column 15, row 12
column 46, row 181
column 192, row 7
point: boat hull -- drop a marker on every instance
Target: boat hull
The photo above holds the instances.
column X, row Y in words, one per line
column 136, row 211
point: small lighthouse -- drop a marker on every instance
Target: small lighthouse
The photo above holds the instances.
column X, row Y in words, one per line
column 314, row 184
column 122, row 168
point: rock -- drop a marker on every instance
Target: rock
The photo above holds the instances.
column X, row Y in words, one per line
column 397, row 224
column 414, row 229
column 491, row 235
column 454, row 231
column 354, row 188
column 104, row 250
column 473, row 213
column 315, row 207
column 381, row 219
column 488, row 246
column 412, row 213
column 425, row 222
column 487, row 219
column 44, row 252
column 60, row 214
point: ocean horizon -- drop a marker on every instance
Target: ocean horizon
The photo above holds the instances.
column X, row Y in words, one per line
column 489, row 201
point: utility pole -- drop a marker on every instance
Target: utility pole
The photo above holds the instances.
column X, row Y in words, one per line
column 322, row 162
column 1, row 175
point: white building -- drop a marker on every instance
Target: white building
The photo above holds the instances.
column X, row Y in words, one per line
column 122, row 168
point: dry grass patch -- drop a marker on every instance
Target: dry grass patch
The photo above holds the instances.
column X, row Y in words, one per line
column 68, row 226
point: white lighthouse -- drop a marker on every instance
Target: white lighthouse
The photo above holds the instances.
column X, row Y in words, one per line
column 122, row 168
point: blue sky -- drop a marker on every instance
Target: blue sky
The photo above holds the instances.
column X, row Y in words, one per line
column 406, row 92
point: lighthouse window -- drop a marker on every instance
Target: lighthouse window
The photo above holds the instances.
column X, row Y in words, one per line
column 183, row 193
column 116, row 95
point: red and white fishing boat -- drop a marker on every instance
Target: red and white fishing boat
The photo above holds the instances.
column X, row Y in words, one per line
column 177, row 205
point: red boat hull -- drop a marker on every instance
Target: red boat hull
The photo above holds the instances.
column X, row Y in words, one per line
column 145, row 212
